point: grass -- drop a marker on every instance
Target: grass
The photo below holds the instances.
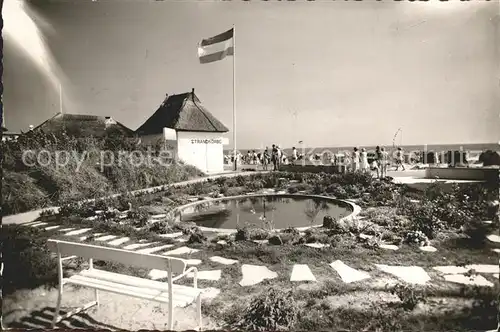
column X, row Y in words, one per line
column 329, row 303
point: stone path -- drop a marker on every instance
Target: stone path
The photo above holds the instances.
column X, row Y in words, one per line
column 347, row 273
column 255, row 274
column 410, row 274
column 301, row 272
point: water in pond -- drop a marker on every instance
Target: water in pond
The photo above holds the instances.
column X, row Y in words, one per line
column 280, row 211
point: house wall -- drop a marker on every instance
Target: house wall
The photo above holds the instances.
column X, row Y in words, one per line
column 201, row 149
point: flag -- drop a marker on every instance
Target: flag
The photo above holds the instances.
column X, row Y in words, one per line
column 216, row 48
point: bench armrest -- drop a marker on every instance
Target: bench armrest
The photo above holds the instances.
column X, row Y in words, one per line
column 195, row 279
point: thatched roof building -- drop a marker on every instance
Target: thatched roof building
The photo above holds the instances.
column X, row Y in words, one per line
column 80, row 125
column 182, row 112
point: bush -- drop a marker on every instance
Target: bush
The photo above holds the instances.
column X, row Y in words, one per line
column 26, row 258
column 25, row 188
column 273, row 310
column 20, row 193
column 408, row 295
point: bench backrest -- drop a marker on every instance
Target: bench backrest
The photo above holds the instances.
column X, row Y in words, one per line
column 126, row 257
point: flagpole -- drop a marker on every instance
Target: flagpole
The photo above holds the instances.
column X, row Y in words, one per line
column 234, row 100
column 60, row 99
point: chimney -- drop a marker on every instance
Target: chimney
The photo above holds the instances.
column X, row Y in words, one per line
column 192, row 91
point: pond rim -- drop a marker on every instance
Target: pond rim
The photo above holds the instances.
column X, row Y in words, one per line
column 355, row 209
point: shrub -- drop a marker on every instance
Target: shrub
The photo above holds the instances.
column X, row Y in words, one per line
column 242, row 234
column 409, row 296
column 272, row 310
column 21, row 193
column 27, row 261
column 254, row 185
column 416, row 237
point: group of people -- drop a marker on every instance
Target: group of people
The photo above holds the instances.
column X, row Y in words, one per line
column 380, row 163
column 274, row 156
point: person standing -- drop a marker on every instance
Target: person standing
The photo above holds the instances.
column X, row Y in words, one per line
column 279, row 155
column 294, row 155
column 265, row 159
column 384, row 162
column 355, row 160
column 364, row 160
column 376, row 162
column 274, row 157
column 400, row 159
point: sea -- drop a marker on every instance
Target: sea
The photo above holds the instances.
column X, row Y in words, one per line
column 472, row 148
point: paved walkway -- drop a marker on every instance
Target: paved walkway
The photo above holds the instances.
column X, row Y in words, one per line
column 30, row 216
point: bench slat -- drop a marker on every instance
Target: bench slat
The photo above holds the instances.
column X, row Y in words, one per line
column 142, row 293
column 136, row 281
column 126, row 257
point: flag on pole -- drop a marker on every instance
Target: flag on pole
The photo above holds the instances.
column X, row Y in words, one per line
column 216, row 48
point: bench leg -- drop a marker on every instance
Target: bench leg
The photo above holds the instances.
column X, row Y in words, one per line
column 96, row 297
column 58, row 307
column 198, row 312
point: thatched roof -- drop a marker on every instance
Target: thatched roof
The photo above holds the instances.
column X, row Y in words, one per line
column 182, row 112
column 80, row 125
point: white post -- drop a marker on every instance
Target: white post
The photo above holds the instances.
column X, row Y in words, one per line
column 60, row 99
column 234, row 99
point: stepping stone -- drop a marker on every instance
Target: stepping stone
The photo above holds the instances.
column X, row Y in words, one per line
column 365, row 236
column 221, row 242
column 158, row 216
column 66, row 229
column 83, row 238
column 479, row 268
column 428, row 248
column 483, row 268
column 301, row 272
column 181, row 240
column 154, row 249
column 106, row 238
column 40, row 224
column 207, row 275
column 171, row 235
column 409, row 274
column 211, row 293
column 389, row 246
column 138, row 245
column 254, row 274
column 261, row 241
column 496, row 250
column 475, row 280
column 78, row 231
column 118, row 242
column 193, row 261
column 347, row 273
column 92, row 218
column 317, row 245
column 488, row 222
column 493, row 238
column 222, row 260
column 30, row 223
column 180, row 251
column 51, row 228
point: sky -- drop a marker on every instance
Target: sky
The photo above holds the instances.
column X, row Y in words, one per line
column 329, row 73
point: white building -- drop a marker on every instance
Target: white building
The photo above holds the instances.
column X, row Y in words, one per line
column 193, row 134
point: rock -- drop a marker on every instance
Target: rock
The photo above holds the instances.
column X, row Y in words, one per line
column 328, row 222
column 275, row 240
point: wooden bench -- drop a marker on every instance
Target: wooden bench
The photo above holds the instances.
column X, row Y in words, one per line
column 163, row 292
